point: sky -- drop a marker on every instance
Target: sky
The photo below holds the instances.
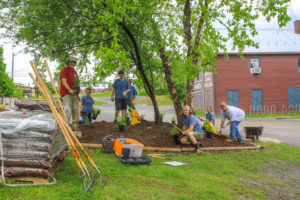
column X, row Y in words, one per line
column 22, row 66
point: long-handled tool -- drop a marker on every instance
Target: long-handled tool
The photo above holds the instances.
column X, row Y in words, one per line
column 71, row 133
column 70, row 138
column 177, row 128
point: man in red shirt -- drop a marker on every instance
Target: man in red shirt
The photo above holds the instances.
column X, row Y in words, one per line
column 70, row 89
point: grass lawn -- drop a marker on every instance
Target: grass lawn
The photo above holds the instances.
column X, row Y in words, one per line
column 162, row 100
column 102, row 94
column 207, row 176
column 297, row 115
column 97, row 102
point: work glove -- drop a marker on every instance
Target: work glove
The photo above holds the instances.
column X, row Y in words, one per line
column 71, row 91
column 132, row 101
column 124, row 94
column 112, row 98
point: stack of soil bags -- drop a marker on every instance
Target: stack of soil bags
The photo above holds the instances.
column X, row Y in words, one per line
column 30, row 143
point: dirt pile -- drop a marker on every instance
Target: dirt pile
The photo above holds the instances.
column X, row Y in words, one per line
column 148, row 133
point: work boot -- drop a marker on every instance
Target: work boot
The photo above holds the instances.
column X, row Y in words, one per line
column 115, row 121
column 197, row 148
column 228, row 140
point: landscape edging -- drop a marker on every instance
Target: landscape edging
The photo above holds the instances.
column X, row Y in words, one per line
column 256, row 147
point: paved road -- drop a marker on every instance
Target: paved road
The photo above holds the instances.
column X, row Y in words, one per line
column 286, row 130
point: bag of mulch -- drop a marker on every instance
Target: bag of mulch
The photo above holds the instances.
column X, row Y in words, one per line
column 33, row 104
column 26, row 171
column 27, row 163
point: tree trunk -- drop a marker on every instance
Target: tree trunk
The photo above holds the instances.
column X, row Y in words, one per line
column 146, row 82
column 168, row 73
column 189, row 93
column 188, row 40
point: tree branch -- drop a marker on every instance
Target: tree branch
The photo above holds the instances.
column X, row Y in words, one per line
column 81, row 45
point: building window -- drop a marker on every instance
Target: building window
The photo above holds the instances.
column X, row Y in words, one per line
column 197, row 86
column 255, row 63
column 298, row 64
column 208, row 101
column 255, row 67
column 294, row 96
column 233, row 98
column 257, row 99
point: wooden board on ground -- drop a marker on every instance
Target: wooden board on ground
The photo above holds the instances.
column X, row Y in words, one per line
column 34, row 180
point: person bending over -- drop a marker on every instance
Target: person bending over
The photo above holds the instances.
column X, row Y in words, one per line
column 234, row 116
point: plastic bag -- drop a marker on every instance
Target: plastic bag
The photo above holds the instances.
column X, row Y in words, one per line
column 26, row 171
column 27, row 163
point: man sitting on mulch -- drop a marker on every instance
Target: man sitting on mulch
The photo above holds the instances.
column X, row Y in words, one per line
column 192, row 129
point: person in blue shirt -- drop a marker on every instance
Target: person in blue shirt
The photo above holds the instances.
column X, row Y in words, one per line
column 86, row 105
column 131, row 95
column 209, row 117
column 121, row 88
column 192, row 129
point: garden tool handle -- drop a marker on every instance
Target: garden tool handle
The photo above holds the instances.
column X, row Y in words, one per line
column 177, row 128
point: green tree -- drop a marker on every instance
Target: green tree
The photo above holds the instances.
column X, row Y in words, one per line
column 56, row 29
column 6, row 85
column 208, row 25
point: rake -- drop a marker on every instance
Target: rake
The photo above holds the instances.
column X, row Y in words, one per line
column 71, row 140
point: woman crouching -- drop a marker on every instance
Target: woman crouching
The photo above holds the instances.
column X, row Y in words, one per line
column 192, row 129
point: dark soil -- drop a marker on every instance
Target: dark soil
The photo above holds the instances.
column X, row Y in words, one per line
column 148, row 133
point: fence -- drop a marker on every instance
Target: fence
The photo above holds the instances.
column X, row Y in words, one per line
column 274, row 109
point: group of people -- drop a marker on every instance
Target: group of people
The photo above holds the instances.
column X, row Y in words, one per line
column 193, row 131
column 124, row 94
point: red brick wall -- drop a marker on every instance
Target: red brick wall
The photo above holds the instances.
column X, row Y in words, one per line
column 278, row 73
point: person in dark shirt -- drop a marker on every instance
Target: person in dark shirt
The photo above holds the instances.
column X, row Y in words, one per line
column 131, row 95
column 121, row 88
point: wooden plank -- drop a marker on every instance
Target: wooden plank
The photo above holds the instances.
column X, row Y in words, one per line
column 92, row 146
column 256, row 147
column 161, row 149
column 35, row 180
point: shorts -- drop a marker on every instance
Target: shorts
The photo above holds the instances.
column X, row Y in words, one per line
column 121, row 104
column 198, row 136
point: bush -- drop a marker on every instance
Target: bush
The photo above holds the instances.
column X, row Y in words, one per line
column 161, row 91
column 18, row 93
column 142, row 93
column 180, row 90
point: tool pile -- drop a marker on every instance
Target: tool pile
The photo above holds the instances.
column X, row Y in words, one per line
column 92, row 176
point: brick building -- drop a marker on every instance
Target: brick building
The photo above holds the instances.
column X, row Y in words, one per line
column 266, row 81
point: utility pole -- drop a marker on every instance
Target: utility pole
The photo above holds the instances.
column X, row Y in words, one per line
column 12, row 66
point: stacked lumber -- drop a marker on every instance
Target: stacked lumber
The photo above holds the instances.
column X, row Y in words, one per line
column 31, row 143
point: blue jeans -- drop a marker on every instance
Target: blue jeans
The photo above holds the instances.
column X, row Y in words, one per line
column 85, row 115
column 234, row 131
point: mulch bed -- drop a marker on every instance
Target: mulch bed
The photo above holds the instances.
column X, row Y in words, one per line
column 148, row 133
